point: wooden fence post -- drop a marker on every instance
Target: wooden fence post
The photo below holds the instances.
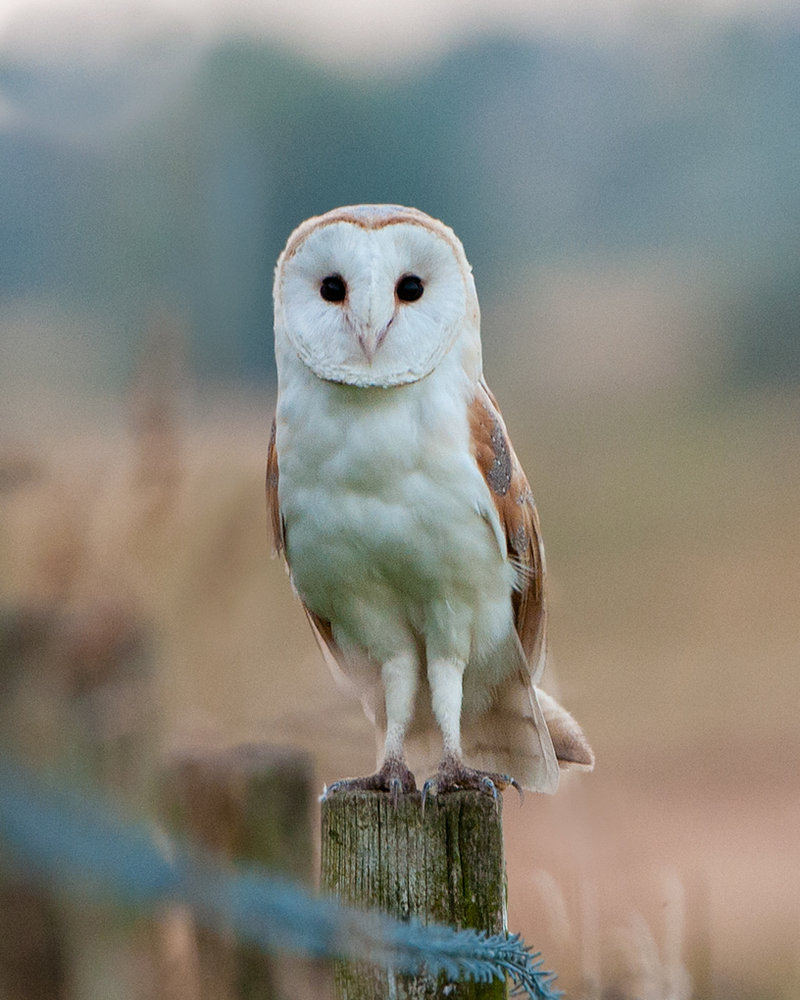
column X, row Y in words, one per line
column 445, row 865
column 248, row 804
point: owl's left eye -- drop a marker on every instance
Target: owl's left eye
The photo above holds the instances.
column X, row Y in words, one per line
column 409, row 288
column 333, row 288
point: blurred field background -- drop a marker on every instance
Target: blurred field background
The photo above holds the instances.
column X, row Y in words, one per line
column 627, row 189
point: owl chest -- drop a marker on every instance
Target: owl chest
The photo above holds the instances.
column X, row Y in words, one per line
column 384, row 500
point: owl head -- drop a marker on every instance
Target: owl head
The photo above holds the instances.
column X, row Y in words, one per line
column 374, row 295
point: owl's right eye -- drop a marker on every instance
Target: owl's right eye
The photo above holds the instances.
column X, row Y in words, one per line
column 333, row 288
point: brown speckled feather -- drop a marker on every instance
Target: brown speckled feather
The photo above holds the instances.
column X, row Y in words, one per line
column 515, row 506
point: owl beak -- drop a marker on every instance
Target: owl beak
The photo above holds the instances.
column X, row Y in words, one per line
column 370, row 340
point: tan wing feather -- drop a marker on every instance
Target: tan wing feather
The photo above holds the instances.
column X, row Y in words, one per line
column 516, row 509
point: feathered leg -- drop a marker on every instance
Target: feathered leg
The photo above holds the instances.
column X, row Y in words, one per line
column 399, row 676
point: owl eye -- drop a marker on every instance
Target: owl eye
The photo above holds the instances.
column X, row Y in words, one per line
column 333, row 288
column 409, row 288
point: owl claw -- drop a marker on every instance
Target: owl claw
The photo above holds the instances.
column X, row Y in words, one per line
column 490, row 786
column 329, row 790
column 396, row 787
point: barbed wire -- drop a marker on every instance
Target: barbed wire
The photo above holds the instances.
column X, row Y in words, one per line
column 81, row 844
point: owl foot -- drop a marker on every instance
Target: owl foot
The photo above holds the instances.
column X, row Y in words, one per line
column 453, row 775
column 394, row 777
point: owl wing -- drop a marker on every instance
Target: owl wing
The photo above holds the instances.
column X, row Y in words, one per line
column 321, row 628
column 519, row 521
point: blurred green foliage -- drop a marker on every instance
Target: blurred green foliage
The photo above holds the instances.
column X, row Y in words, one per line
column 173, row 177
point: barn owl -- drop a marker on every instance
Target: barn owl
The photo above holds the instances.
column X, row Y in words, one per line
column 404, row 517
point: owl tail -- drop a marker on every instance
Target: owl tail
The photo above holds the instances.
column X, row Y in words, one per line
column 526, row 734
column 571, row 746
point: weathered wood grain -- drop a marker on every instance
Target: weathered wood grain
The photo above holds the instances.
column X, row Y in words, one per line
column 445, row 865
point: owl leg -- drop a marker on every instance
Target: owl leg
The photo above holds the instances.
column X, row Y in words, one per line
column 445, row 677
column 399, row 676
column 446, row 681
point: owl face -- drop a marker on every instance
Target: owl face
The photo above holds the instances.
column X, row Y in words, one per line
column 373, row 295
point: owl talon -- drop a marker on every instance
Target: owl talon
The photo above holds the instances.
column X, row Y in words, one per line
column 489, row 786
column 427, row 789
column 330, row 789
column 396, row 788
